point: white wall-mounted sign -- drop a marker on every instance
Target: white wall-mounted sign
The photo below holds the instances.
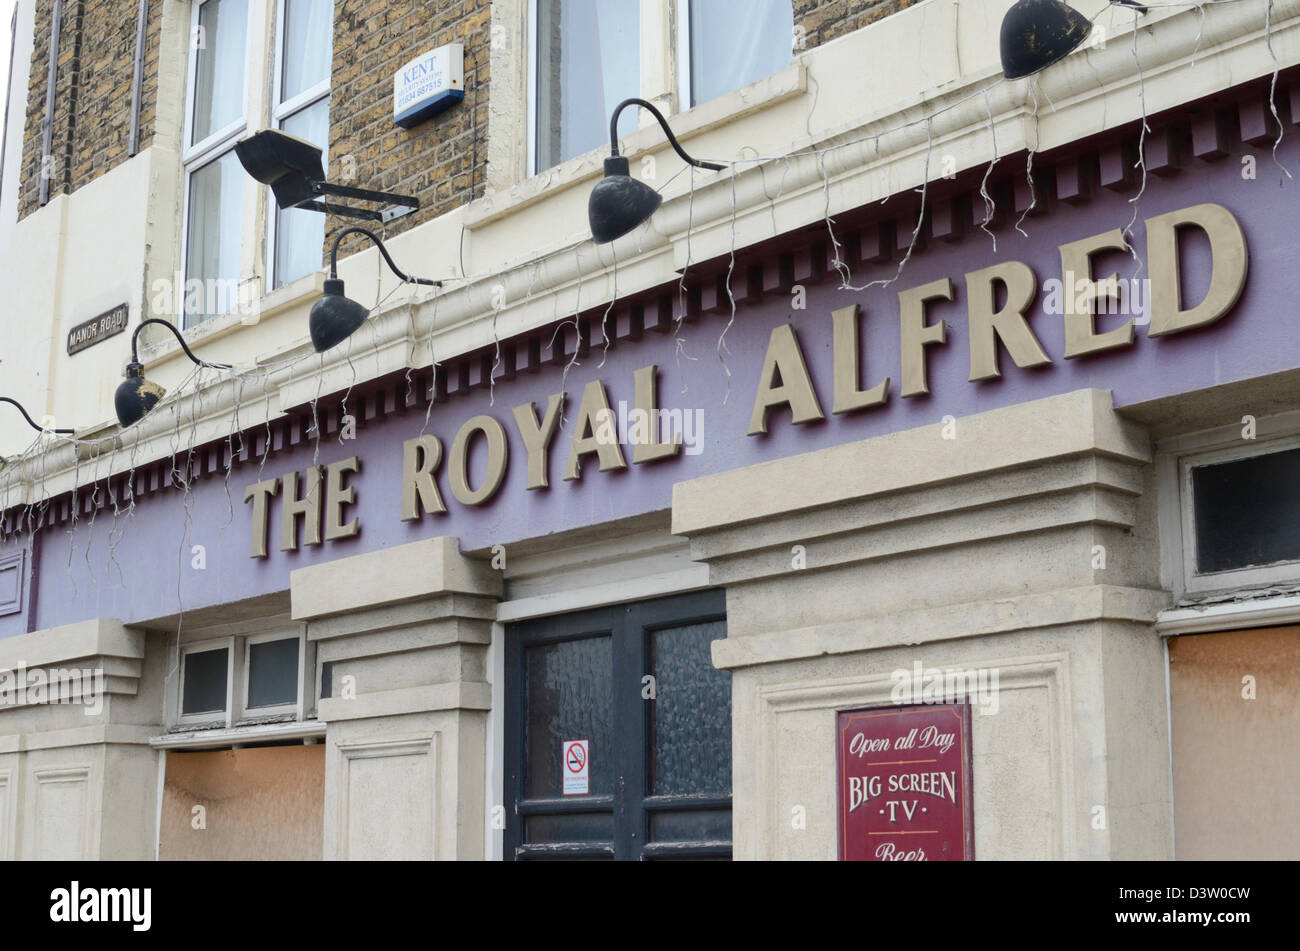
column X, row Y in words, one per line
column 428, row 84
column 576, row 767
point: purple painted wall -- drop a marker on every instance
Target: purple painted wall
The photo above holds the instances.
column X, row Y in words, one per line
column 149, row 573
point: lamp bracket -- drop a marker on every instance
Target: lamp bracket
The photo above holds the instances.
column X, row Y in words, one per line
column 399, row 205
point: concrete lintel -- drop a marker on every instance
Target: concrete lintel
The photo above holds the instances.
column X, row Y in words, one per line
column 1052, row 609
column 100, row 637
column 420, row 569
column 449, row 696
column 1058, row 426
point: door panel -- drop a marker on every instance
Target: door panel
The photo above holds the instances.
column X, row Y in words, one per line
column 638, row 683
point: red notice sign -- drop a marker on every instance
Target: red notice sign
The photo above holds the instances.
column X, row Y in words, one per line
column 904, row 784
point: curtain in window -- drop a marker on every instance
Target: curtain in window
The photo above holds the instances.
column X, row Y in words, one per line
column 216, row 205
column 308, row 42
column 589, row 60
column 300, row 234
column 737, row 42
column 222, row 38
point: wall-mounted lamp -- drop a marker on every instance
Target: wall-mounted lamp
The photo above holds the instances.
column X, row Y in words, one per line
column 31, row 422
column 1038, row 33
column 619, row 202
column 296, row 174
column 334, row 317
column 135, row 395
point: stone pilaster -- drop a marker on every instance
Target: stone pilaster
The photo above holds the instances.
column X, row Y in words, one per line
column 1020, row 541
column 405, row 634
column 78, row 779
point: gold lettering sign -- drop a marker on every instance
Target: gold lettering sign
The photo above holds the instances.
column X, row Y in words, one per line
column 312, row 506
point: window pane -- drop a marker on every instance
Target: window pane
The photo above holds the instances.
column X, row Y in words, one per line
column 273, row 673
column 299, row 233
column 1247, row 512
column 213, row 241
column 219, row 72
column 204, row 690
column 570, row 697
column 696, row 825
column 308, row 42
column 692, row 712
column 737, row 42
column 580, row 827
column 588, row 61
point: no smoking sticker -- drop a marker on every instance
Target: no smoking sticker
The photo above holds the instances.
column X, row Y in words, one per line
column 576, row 765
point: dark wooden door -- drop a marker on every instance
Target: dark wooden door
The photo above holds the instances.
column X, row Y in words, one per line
column 636, row 682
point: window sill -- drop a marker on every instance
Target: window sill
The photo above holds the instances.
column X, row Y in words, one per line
column 787, row 84
column 190, row 739
column 291, row 296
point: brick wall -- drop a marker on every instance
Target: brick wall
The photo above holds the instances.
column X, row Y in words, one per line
column 442, row 161
column 824, row 20
column 92, row 94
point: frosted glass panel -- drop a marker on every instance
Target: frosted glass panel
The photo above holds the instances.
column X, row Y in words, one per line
column 692, row 712
column 570, row 697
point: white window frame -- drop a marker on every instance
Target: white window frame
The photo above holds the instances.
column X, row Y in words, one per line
column 203, row 153
column 279, row 113
column 1176, row 458
column 199, row 647
column 296, row 708
column 1198, row 581
column 682, row 94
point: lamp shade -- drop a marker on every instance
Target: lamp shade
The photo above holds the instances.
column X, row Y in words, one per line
column 288, row 164
column 135, row 396
column 334, row 317
column 1038, row 33
column 619, row 202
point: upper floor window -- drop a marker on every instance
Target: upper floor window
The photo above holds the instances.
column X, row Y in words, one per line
column 588, row 61
column 226, row 46
column 728, row 44
column 214, row 180
column 302, row 98
column 587, row 57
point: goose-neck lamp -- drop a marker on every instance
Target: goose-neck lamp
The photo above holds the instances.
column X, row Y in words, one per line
column 619, row 203
column 135, row 395
column 1038, row 33
column 31, row 422
column 335, row 317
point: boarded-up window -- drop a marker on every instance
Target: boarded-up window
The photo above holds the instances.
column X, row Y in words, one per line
column 1235, row 709
column 264, row 803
